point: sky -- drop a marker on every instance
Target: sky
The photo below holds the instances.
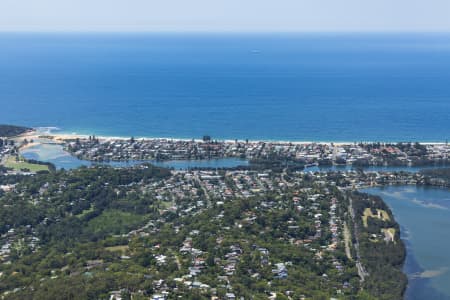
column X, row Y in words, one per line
column 225, row 15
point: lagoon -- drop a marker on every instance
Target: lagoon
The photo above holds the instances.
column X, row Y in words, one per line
column 56, row 155
column 424, row 216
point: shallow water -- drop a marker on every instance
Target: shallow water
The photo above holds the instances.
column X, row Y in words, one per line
column 424, row 216
column 56, row 155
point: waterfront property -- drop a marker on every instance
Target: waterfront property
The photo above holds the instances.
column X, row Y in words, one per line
column 322, row 154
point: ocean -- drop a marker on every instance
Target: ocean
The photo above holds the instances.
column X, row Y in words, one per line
column 302, row 87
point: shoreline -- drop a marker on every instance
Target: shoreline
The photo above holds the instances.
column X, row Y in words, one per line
column 61, row 137
column 419, row 277
column 306, row 154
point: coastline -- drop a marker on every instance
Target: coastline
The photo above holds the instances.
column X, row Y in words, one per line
column 300, row 153
column 62, row 136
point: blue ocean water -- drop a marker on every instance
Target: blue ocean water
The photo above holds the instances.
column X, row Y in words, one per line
column 344, row 87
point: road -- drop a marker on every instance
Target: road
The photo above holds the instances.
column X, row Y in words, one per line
column 361, row 270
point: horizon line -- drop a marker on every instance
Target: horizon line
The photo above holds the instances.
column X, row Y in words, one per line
column 262, row 32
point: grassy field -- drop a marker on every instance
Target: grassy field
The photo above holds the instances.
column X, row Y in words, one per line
column 115, row 222
column 384, row 215
column 21, row 164
column 381, row 214
column 389, row 233
column 123, row 249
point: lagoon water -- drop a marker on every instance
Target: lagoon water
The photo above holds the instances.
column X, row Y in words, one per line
column 424, row 215
column 56, row 155
column 320, row 87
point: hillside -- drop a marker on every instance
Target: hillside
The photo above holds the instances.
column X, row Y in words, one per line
column 98, row 233
column 11, row 130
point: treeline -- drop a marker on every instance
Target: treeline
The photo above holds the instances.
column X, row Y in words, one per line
column 51, row 167
column 437, row 177
column 11, row 130
column 382, row 259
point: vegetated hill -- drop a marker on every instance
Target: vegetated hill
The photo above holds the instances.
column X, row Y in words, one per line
column 382, row 254
column 11, row 130
column 91, row 233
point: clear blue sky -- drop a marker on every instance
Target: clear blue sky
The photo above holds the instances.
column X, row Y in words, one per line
column 225, row 15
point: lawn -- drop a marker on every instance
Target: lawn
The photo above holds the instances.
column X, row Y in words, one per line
column 21, row 164
column 115, row 222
